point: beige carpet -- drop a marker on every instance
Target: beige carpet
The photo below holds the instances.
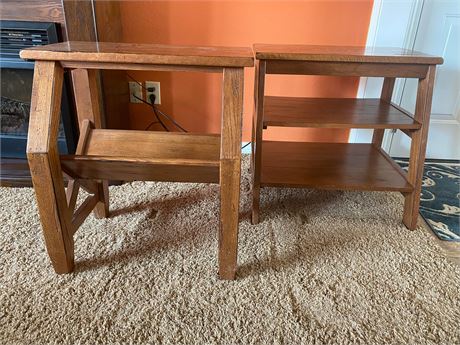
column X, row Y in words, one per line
column 321, row 268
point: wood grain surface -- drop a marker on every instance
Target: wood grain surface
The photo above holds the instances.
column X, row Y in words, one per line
column 230, row 170
column 342, row 54
column 144, row 155
column 32, row 10
column 329, row 166
column 418, row 148
column 141, row 54
column 334, row 113
column 43, row 157
column 151, row 144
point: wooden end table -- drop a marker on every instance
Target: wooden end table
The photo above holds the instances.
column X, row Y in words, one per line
column 105, row 154
column 334, row 165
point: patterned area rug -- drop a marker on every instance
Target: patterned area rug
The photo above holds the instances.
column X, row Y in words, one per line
column 440, row 197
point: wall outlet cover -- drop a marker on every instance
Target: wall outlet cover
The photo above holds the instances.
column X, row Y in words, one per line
column 135, row 89
column 156, row 86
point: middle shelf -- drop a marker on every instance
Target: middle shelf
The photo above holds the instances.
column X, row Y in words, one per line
column 335, row 113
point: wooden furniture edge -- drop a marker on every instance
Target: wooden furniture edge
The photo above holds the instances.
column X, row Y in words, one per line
column 41, row 53
column 261, row 53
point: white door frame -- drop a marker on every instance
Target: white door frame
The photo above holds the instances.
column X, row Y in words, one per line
column 401, row 16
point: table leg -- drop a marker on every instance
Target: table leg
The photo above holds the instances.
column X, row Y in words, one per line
column 89, row 108
column 259, row 91
column 230, row 170
column 45, row 167
column 386, row 94
column 418, row 148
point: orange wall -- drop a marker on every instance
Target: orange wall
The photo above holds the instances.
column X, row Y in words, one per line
column 194, row 98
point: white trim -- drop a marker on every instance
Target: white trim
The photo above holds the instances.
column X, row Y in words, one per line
column 357, row 135
column 409, row 43
column 375, row 27
column 452, row 121
column 371, row 38
column 247, row 149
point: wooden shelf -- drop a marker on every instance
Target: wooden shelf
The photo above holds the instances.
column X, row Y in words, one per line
column 142, row 155
column 330, row 166
column 335, row 113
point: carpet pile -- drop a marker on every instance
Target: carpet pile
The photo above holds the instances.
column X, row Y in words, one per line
column 322, row 267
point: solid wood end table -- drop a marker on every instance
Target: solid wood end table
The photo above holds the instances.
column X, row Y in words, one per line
column 105, row 154
column 341, row 166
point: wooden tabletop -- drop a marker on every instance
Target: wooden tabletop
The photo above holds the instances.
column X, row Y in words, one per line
column 343, row 54
column 132, row 53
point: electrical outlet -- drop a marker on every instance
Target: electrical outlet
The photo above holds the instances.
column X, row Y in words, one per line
column 155, row 85
column 135, row 89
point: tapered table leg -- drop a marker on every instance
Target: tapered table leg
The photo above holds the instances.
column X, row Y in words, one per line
column 230, row 170
column 45, row 168
column 257, row 138
column 418, row 148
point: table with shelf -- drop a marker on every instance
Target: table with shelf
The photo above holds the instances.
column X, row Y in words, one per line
column 341, row 166
column 106, row 154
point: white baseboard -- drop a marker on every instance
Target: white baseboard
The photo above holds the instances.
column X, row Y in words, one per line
column 247, row 149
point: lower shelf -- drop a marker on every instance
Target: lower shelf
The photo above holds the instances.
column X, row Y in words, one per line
column 330, row 166
column 148, row 156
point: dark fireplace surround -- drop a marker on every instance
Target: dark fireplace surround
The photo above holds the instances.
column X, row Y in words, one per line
column 16, row 90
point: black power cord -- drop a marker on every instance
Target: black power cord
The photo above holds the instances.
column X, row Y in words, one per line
column 155, row 110
column 152, row 104
column 245, row 145
column 169, row 118
column 150, row 125
column 142, row 86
